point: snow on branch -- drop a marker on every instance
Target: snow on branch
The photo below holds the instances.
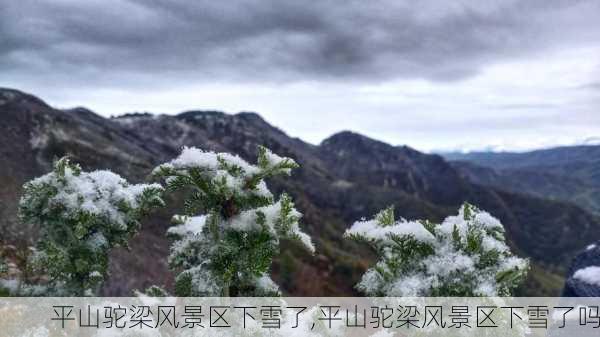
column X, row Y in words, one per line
column 465, row 255
column 82, row 215
column 232, row 227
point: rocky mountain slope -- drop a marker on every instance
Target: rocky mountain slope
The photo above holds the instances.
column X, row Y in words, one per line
column 347, row 177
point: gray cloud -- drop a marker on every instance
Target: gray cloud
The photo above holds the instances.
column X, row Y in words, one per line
column 429, row 73
column 133, row 42
column 526, row 106
column 590, row 86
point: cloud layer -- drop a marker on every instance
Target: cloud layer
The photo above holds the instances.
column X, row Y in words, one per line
column 271, row 40
column 63, row 48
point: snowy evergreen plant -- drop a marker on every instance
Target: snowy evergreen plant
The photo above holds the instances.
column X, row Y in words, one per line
column 465, row 255
column 81, row 217
column 227, row 250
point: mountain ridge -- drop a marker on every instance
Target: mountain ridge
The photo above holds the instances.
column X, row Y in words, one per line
column 570, row 174
column 346, row 177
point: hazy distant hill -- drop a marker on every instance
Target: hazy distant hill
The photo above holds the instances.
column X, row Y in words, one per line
column 579, row 161
column 347, row 177
column 570, row 173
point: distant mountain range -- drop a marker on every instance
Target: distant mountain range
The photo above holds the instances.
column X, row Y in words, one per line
column 346, row 177
column 570, row 173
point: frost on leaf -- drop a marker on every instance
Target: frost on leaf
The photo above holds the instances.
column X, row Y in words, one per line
column 81, row 216
column 232, row 227
column 465, row 255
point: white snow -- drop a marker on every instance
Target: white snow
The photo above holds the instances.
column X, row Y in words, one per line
column 370, row 282
column 191, row 225
column 247, row 221
column 484, row 218
column 590, row 247
column 237, row 161
column 589, row 275
column 490, row 243
column 262, row 190
column 372, row 230
column 447, row 263
column 451, row 222
column 266, row 284
column 193, row 157
column 233, row 183
column 203, row 281
column 232, row 179
column 305, row 239
column 274, row 160
column 97, row 242
column 486, row 288
column 410, row 286
column 512, row 263
column 97, row 192
column 180, row 248
column 480, row 218
column 11, row 285
column 217, row 168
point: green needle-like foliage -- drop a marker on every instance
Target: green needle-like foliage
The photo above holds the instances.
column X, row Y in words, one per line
column 81, row 217
column 228, row 249
column 465, row 255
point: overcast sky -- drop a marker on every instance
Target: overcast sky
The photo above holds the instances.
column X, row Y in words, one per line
column 431, row 74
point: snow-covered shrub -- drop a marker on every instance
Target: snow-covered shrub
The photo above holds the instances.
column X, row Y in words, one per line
column 228, row 249
column 465, row 255
column 81, row 216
